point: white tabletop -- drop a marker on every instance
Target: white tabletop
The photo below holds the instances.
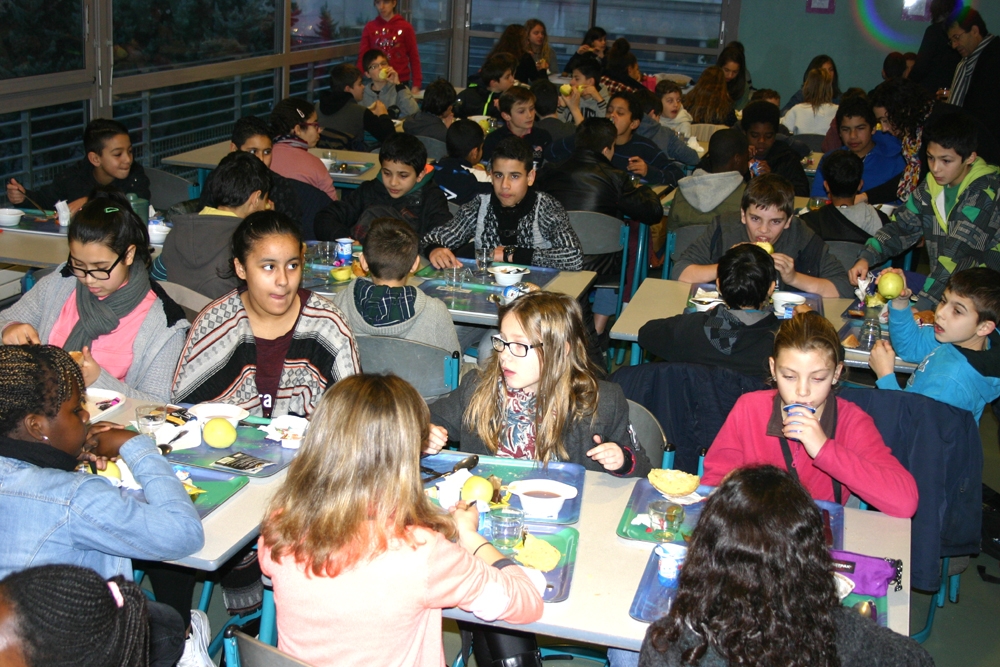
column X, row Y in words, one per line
column 41, row 250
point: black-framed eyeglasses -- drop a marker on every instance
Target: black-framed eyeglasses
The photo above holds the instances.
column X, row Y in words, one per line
column 96, row 274
column 517, row 349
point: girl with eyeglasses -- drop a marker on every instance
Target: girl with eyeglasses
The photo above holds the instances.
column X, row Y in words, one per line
column 295, row 129
column 538, row 396
column 120, row 326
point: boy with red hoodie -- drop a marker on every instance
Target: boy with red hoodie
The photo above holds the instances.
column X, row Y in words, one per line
column 394, row 36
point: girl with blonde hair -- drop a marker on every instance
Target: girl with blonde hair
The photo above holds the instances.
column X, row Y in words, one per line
column 816, row 112
column 351, row 528
column 536, row 42
column 709, row 100
column 538, row 396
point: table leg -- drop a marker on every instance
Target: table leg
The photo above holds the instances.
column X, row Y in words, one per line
column 636, row 355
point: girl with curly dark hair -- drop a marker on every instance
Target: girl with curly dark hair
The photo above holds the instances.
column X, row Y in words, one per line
column 757, row 589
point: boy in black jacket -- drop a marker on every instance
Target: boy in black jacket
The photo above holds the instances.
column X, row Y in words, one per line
column 482, row 99
column 460, row 176
column 108, row 163
column 404, row 190
column 345, row 123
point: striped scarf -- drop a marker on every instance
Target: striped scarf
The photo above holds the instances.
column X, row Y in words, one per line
column 963, row 73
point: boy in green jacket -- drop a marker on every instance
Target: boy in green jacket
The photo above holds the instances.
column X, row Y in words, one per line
column 953, row 210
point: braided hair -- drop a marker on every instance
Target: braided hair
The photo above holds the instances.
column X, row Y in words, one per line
column 69, row 615
column 38, row 379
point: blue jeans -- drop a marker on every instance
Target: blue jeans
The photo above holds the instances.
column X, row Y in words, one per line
column 619, row 657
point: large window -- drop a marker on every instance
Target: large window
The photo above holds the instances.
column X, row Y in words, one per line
column 40, row 37
column 36, row 144
column 320, row 23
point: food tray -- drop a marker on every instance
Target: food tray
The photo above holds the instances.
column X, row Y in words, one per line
column 557, row 581
column 95, row 396
column 643, row 492
column 853, row 327
column 219, row 486
column 855, row 305
column 814, row 301
column 652, row 599
column 250, row 440
column 540, row 276
column 510, row 470
column 351, row 169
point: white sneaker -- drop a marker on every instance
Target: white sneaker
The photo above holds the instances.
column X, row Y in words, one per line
column 196, row 645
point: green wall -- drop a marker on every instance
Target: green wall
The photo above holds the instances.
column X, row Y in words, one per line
column 780, row 39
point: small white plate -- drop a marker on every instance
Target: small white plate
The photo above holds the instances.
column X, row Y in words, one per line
column 232, row 413
column 96, row 396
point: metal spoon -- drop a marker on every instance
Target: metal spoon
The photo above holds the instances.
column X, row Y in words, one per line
column 468, row 463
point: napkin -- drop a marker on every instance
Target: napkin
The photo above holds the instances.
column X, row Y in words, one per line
column 861, row 291
column 689, row 499
column 289, row 429
column 693, row 143
column 62, row 208
column 450, row 491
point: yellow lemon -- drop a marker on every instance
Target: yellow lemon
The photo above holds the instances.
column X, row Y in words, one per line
column 218, row 433
column 477, row 488
column 111, row 471
column 341, row 273
column 565, row 90
column 768, row 248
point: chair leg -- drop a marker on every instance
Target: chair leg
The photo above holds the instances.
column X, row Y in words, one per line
column 953, row 583
column 216, row 645
column 940, row 596
column 937, row 600
column 207, row 589
column 268, row 621
column 573, row 652
column 636, row 356
column 232, row 651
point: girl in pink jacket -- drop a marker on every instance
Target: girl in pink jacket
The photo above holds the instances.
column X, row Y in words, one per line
column 362, row 562
column 830, row 445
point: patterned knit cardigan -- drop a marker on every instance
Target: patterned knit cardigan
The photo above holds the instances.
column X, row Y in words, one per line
column 219, row 358
column 546, row 231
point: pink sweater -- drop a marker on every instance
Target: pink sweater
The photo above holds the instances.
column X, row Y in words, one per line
column 293, row 162
column 856, row 456
column 387, row 612
column 398, row 41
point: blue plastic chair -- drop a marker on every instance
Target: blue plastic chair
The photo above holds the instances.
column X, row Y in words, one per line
column 949, row 583
column 245, row 651
column 559, row 652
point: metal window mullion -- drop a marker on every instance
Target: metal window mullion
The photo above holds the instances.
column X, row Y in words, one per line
column 26, row 149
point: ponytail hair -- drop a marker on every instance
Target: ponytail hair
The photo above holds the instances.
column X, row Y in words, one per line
column 71, row 616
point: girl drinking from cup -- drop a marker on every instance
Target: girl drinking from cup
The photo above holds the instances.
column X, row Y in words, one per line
column 295, row 126
column 351, row 542
column 539, row 397
column 123, row 328
column 829, row 444
column 268, row 346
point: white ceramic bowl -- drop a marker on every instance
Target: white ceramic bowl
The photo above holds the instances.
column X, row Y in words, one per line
column 704, row 305
column 231, row 413
column 542, row 498
column 10, row 217
column 783, row 299
column 508, row 275
column 158, row 233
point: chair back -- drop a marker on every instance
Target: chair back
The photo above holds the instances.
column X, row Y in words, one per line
column 813, row 141
column 845, row 251
column 311, row 201
column 678, row 241
column 432, row 371
column 436, row 149
column 598, row 233
column 244, row 651
column 704, row 131
column 192, row 302
column 648, row 432
column 453, row 208
column 166, row 189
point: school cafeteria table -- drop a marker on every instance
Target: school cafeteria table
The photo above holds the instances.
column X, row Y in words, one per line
column 37, row 249
column 207, row 158
column 607, row 570
column 657, row 299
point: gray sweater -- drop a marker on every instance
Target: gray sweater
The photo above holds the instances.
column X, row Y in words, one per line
column 860, row 643
column 155, row 350
column 430, row 325
column 392, row 96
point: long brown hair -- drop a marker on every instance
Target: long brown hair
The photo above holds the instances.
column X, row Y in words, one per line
column 355, row 484
column 511, row 41
column 809, row 332
column 709, row 100
column 567, row 390
column 530, row 25
column 818, row 88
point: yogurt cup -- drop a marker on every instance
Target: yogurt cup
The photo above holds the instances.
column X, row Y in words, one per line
column 671, row 560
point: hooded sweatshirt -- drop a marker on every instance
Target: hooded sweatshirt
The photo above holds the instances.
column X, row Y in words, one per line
column 882, row 163
column 668, row 141
column 851, row 224
column 346, row 123
column 397, row 40
column 946, row 373
column 959, row 236
column 681, row 124
column 426, row 124
column 397, row 99
column 429, row 321
column 703, row 198
column 196, row 252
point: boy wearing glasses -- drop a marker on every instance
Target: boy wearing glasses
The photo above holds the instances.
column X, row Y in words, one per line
column 385, row 86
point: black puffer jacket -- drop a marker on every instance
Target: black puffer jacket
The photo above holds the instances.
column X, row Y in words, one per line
column 589, row 182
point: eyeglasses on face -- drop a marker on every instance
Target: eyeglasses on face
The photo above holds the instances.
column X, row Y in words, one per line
column 517, row 349
column 96, row 274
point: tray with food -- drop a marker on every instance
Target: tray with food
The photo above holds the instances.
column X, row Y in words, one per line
column 636, row 522
column 850, row 338
column 550, row 494
column 102, row 403
column 705, row 296
column 348, row 169
column 251, row 443
column 652, row 598
column 551, row 550
column 858, row 312
column 208, row 489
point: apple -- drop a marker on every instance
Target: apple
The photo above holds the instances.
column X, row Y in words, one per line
column 383, row 73
column 890, row 285
column 477, row 488
column 218, row 433
column 112, row 470
column 565, row 90
column 768, row 248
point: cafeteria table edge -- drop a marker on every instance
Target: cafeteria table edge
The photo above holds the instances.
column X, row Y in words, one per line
column 656, row 298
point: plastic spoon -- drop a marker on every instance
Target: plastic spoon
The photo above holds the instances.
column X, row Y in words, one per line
column 468, row 463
